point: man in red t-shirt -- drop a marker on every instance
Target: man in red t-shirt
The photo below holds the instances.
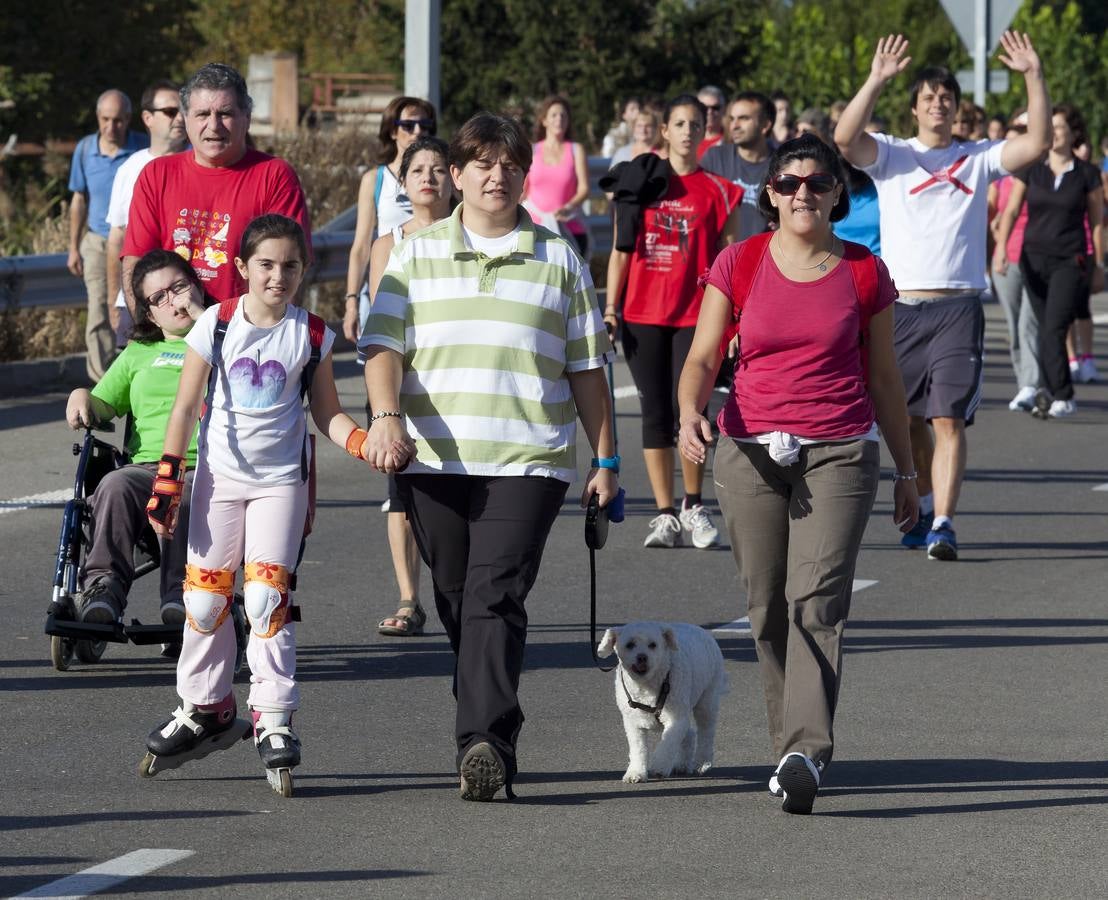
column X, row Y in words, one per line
column 199, row 202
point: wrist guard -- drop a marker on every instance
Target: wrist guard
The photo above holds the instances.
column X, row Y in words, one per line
column 169, row 485
column 354, row 442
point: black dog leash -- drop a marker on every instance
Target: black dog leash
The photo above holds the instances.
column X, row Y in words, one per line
column 596, row 534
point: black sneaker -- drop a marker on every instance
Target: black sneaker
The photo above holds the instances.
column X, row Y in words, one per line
column 99, row 604
column 1041, row 408
column 173, row 613
column 798, row 779
column 483, row 773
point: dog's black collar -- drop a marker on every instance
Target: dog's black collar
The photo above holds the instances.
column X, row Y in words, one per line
column 656, row 709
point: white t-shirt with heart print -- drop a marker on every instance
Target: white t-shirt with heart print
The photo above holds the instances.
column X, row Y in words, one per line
column 256, row 429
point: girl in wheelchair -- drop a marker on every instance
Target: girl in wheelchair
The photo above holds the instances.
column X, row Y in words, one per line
column 141, row 385
column 254, row 357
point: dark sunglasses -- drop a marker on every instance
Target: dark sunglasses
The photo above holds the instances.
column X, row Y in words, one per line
column 818, row 183
column 427, row 126
column 170, row 112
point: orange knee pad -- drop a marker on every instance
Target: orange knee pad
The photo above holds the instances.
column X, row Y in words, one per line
column 207, row 597
column 266, row 598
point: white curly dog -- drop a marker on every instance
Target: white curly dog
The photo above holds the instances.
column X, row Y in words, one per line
column 669, row 683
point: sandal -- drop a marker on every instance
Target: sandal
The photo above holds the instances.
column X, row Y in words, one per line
column 408, row 625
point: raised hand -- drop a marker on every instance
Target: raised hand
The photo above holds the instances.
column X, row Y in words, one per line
column 889, row 59
column 1018, row 54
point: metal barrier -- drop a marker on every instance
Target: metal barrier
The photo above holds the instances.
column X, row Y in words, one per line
column 29, row 281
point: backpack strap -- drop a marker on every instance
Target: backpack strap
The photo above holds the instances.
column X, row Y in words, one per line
column 863, row 270
column 747, row 262
column 223, row 319
column 316, row 326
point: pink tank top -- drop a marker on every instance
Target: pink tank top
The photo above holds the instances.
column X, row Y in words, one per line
column 549, row 188
column 1015, row 239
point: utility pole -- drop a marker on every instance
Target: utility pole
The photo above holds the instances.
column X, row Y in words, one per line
column 980, row 51
column 422, row 23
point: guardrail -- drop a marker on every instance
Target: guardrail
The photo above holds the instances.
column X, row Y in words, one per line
column 44, row 280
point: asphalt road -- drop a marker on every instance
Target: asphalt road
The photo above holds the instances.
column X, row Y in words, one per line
column 971, row 739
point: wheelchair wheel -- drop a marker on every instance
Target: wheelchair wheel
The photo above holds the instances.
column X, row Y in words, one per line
column 61, row 652
column 90, row 651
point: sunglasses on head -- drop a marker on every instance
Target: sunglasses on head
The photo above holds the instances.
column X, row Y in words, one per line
column 409, row 125
column 169, row 112
column 818, row 183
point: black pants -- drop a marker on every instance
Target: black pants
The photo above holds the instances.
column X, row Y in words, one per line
column 656, row 355
column 1056, row 286
column 483, row 540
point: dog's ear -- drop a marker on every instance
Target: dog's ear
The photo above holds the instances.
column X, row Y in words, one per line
column 608, row 642
column 670, row 638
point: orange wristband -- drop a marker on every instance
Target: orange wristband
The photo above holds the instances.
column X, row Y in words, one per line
column 354, row 442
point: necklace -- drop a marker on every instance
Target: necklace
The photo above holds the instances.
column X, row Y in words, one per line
column 821, row 265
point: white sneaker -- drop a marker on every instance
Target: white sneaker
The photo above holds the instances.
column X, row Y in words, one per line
column 1059, row 409
column 1087, row 372
column 695, row 519
column 665, row 531
column 1024, row 401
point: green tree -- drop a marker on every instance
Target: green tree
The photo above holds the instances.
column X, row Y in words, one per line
column 1073, row 62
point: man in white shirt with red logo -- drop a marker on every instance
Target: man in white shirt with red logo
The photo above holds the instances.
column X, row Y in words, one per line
column 932, row 195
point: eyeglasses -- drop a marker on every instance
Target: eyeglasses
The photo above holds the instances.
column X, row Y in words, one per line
column 712, row 107
column 161, row 298
column 409, row 125
column 170, row 112
column 818, row 183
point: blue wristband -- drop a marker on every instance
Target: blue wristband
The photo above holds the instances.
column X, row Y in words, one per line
column 606, row 462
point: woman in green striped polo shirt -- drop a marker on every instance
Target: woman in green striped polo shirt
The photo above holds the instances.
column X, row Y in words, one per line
column 484, row 346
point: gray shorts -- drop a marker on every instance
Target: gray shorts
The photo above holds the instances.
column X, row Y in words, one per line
column 940, row 347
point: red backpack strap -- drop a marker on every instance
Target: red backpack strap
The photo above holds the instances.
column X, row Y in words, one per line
column 863, row 270
column 747, row 262
column 316, row 326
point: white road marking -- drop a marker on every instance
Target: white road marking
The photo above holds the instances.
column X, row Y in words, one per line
column 1101, row 487
column 739, row 626
column 742, row 625
column 626, row 391
column 109, row 874
column 48, row 498
column 1100, row 319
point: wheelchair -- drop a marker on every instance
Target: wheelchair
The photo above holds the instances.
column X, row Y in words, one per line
column 69, row 637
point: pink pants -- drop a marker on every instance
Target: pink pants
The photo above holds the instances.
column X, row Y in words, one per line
column 232, row 521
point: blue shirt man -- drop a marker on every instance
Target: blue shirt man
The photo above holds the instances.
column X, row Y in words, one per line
column 95, row 162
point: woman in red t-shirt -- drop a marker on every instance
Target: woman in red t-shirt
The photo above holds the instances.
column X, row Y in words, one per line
column 678, row 238
column 798, row 463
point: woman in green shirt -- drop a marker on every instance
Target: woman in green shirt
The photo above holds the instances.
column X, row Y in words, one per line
column 140, row 385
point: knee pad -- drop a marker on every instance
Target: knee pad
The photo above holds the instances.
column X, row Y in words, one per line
column 207, row 597
column 266, row 598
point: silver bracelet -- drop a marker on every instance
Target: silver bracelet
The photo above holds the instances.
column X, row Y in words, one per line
column 383, row 415
column 898, row 477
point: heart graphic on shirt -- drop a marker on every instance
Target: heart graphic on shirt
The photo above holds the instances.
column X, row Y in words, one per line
column 254, row 386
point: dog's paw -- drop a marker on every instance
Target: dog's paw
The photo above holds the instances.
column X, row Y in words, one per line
column 703, row 768
column 634, row 776
column 666, row 772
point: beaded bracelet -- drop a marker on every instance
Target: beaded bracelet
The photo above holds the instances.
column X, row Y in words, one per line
column 898, row 477
column 384, row 415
